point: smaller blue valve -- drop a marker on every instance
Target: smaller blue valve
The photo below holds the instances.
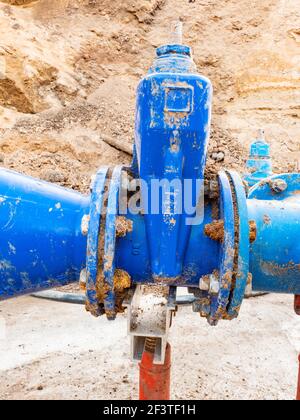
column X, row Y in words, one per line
column 259, row 164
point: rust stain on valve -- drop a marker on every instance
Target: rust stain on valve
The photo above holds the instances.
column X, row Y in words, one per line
column 215, row 230
column 122, row 280
column 253, row 231
column 123, row 226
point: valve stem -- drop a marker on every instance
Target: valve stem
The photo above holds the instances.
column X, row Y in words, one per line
column 177, row 33
column 261, row 135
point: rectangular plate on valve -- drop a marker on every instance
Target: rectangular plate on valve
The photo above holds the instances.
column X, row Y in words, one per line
column 179, row 99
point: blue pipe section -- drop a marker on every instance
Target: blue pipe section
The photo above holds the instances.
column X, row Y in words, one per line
column 41, row 244
column 275, row 255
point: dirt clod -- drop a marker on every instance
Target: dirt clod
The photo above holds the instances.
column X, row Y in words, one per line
column 123, row 226
column 215, row 230
column 253, row 231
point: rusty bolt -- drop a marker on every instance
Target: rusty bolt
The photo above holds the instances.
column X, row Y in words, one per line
column 85, row 221
column 83, row 279
column 213, row 189
column 248, row 291
column 214, row 287
column 278, row 185
column 202, row 306
column 209, row 284
column 205, row 307
column 212, row 322
column 197, row 307
column 204, row 283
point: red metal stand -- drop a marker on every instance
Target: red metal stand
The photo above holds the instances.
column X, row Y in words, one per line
column 297, row 310
column 297, row 304
column 155, row 379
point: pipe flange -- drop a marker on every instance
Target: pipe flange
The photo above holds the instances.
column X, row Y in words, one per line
column 227, row 286
column 106, row 286
column 107, row 278
column 242, row 245
column 219, row 301
column 92, row 260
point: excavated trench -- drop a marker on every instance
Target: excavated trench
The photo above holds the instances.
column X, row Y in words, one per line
column 67, row 56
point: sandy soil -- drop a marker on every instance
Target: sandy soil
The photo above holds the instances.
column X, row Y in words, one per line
column 54, row 350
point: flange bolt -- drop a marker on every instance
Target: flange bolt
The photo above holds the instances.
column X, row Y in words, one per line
column 278, row 185
column 85, row 221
